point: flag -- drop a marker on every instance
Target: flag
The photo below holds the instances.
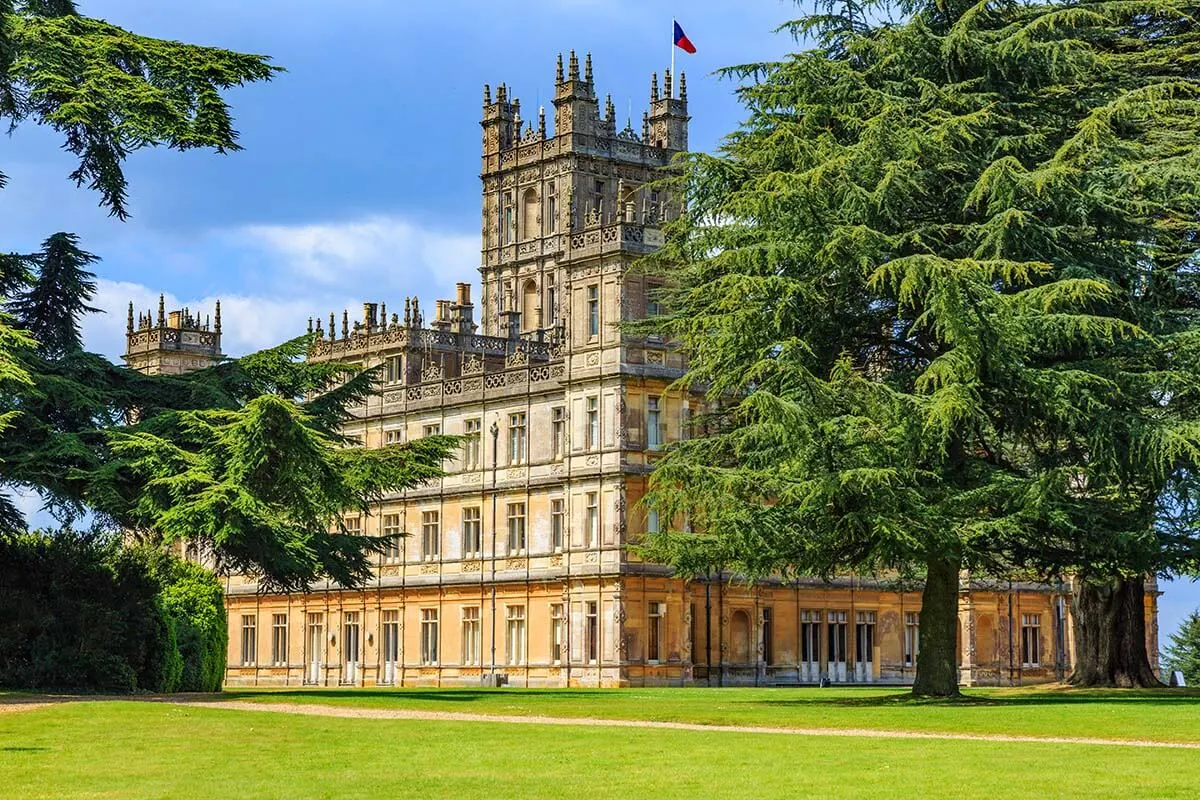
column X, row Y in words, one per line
column 682, row 41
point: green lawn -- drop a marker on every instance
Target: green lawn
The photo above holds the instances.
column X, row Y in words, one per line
column 149, row 750
column 1166, row 714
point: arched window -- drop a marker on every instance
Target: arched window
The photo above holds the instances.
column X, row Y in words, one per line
column 530, row 318
column 529, row 214
column 739, row 634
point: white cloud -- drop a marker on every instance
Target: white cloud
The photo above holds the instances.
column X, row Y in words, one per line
column 310, row 270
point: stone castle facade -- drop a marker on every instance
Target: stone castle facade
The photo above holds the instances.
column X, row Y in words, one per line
column 514, row 568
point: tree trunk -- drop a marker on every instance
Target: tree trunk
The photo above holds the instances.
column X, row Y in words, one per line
column 1110, row 634
column 937, row 663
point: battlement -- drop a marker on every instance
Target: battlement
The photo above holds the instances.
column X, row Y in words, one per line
column 172, row 343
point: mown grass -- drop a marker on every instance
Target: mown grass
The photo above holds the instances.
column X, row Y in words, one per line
column 130, row 749
column 1159, row 714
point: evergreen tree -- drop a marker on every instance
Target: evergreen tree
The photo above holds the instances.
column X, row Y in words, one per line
column 1183, row 653
column 49, row 309
column 940, row 288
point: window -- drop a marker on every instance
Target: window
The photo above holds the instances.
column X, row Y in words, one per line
column 510, row 231
column 591, row 638
column 593, row 423
column 353, row 525
column 551, row 315
column 431, row 535
column 599, row 201
column 552, row 208
column 249, row 641
column 279, row 640
column 431, row 430
column 350, row 647
column 653, row 306
column 557, row 627
column 393, row 369
column 685, row 422
column 556, row 524
column 654, row 434
column 470, row 635
column 810, row 637
column 593, row 310
column 391, row 529
column 316, row 646
column 652, row 520
column 393, row 436
column 837, row 637
column 516, row 527
column 1031, row 640
column 768, row 636
column 472, row 533
column 515, row 627
column 864, row 637
column 472, row 431
column 391, row 645
column 517, row 451
column 429, row 636
column 654, row 632
column 591, row 520
column 558, row 432
column 912, row 637
column 529, row 214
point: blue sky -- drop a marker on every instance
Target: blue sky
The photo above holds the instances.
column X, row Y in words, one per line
column 360, row 173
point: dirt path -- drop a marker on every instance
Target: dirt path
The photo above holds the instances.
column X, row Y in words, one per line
column 457, row 716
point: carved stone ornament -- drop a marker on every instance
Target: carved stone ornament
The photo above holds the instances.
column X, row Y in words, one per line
column 431, row 372
column 472, row 364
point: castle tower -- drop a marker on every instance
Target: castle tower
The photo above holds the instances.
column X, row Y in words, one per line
column 172, row 343
column 572, row 201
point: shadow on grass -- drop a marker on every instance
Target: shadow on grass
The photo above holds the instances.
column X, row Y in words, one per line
column 783, row 697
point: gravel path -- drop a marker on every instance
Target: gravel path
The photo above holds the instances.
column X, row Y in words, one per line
column 457, row 716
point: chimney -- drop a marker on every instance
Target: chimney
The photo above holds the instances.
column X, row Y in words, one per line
column 463, row 312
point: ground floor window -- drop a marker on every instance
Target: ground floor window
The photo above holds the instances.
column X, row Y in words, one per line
column 249, row 640
column 768, row 635
column 1031, row 640
column 557, row 627
column 654, row 632
column 810, row 637
column 912, row 637
column 470, row 635
column 350, row 646
column 864, row 637
column 279, row 640
column 837, row 637
column 592, row 635
column 391, row 645
column 429, row 636
column 515, row 629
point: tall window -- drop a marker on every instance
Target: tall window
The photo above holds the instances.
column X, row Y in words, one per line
column 1031, row 640
column 654, row 632
column 591, row 638
column 391, row 645
column 394, row 369
column 685, row 422
column 599, row 200
column 431, row 535
column 556, row 524
column 510, row 230
column 551, row 208
column 472, row 430
column 517, row 448
column 592, row 419
column 768, row 635
column 529, row 214
column 249, row 640
column 912, row 637
column 429, row 636
column 391, row 529
column 837, row 637
column 654, row 434
column 515, row 627
column 279, row 640
column 864, row 637
column 652, row 524
column 591, row 520
column 653, row 306
column 316, row 646
column 593, row 310
column 558, row 626
column 472, row 533
column 551, row 314
column 353, row 525
column 558, row 432
column 810, row 637
column 350, row 645
column 516, row 527
column 470, row 635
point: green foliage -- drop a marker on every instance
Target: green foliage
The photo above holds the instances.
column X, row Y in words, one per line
column 110, row 92
column 193, row 598
column 49, row 307
column 1183, row 653
column 940, row 287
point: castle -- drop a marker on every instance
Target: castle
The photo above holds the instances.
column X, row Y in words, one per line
column 514, row 568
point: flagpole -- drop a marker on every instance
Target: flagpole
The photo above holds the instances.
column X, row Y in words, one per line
column 671, row 83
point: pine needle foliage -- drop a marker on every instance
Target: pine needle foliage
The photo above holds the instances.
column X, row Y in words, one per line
column 941, row 289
